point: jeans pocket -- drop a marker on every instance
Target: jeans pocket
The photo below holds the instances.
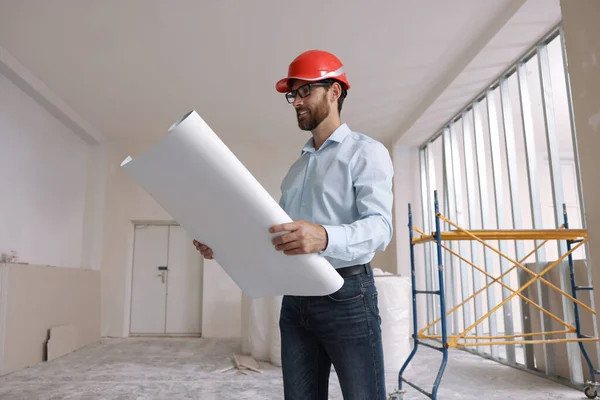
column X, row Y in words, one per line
column 350, row 291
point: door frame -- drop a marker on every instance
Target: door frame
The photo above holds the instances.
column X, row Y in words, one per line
column 129, row 281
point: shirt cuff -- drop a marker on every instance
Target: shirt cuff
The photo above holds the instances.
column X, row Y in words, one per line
column 337, row 242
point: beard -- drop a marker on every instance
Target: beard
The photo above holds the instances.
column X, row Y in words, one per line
column 311, row 117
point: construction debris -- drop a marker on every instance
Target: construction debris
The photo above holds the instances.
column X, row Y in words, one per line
column 242, row 364
column 246, row 362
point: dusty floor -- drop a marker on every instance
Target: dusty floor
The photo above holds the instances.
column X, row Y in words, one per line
column 174, row 369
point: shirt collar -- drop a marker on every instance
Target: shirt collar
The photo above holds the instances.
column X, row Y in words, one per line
column 337, row 136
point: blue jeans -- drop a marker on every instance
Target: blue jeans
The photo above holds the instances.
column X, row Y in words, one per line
column 343, row 328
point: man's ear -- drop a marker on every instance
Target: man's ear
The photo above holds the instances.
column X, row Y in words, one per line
column 336, row 91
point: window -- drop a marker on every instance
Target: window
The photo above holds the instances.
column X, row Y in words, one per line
column 508, row 160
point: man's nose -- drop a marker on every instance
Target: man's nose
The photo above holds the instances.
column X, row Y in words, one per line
column 297, row 101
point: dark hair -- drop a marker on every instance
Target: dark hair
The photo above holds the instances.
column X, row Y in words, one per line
column 331, row 81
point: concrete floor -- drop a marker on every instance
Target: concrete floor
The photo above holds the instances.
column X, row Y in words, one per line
column 150, row 368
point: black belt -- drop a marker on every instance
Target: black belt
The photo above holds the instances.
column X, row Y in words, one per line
column 354, row 270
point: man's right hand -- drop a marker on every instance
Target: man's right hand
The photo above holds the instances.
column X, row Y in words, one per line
column 205, row 250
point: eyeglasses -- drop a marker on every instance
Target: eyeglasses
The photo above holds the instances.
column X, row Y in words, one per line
column 303, row 91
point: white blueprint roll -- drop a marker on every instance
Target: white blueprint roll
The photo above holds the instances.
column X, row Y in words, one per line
column 194, row 176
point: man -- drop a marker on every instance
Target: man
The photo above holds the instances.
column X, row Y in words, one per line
column 339, row 195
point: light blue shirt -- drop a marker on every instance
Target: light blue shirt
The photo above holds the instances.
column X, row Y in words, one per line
column 345, row 186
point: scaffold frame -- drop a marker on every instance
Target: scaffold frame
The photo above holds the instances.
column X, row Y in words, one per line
column 574, row 239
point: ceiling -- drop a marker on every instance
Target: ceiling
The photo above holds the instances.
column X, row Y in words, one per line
column 474, row 73
column 131, row 68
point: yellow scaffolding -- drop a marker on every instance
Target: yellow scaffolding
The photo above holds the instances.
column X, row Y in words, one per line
column 579, row 235
column 575, row 238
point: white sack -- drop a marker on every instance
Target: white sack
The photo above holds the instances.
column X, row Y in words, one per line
column 275, row 349
column 394, row 298
column 259, row 323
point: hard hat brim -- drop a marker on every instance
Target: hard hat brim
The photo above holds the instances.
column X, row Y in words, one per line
column 282, row 85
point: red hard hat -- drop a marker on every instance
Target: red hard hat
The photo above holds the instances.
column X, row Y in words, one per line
column 314, row 65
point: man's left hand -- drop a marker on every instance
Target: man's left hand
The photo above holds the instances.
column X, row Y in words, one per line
column 303, row 238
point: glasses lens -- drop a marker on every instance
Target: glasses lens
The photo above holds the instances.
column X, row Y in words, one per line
column 290, row 97
column 304, row 91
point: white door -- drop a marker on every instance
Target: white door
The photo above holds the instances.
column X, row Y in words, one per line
column 166, row 293
column 149, row 289
column 184, row 289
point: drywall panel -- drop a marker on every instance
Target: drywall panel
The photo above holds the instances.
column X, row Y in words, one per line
column 39, row 298
column 62, row 339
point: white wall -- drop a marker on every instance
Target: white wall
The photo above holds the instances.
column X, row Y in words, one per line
column 386, row 260
column 222, row 303
column 51, row 214
column 43, row 169
column 582, row 38
column 407, row 189
column 95, row 197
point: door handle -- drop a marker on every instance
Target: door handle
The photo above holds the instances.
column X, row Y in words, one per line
column 163, row 269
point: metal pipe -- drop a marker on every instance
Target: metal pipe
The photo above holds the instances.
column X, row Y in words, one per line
column 450, row 200
column 438, row 379
column 414, row 298
column 484, row 206
column 557, row 194
column 494, row 141
column 471, row 199
column 425, row 220
column 536, row 212
column 513, row 188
